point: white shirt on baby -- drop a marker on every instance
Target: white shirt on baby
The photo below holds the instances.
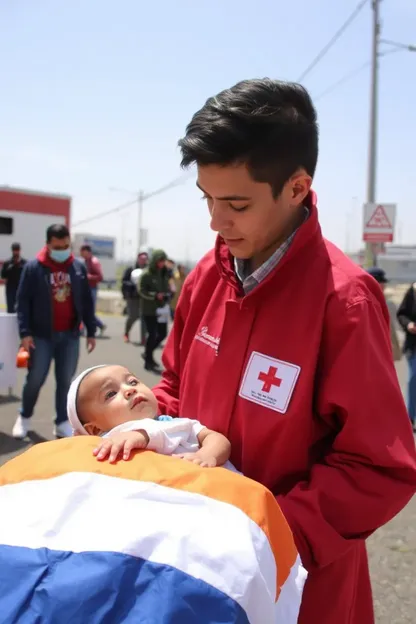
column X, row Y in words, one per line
column 167, row 435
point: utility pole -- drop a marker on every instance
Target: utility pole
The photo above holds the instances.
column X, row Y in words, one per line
column 140, row 199
column 371, row 258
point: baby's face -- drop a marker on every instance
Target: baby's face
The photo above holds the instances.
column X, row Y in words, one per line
column 110, row 396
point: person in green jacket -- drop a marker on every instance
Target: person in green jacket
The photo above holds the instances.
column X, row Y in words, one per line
column 155, row 295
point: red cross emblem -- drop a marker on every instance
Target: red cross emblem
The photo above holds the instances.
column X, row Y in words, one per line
column 269, row 379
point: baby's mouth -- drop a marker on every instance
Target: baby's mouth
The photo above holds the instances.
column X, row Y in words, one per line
column 137, row 401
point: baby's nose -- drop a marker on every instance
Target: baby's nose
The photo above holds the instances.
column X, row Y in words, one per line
column 129, row 392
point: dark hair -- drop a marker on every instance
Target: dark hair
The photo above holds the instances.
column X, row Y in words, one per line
column 56, row 230
column 86, row 248
column 269, row 125
column 15, row 247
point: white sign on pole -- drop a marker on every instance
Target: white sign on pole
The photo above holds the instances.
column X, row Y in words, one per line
column 379, row 221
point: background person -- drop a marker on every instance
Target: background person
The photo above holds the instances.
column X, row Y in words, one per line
column 406, row 315
column 178, row 280
column 53, row 299
column 380, row 276
column 131, row 296
column 11, row 272
column 155, row 294
column 95, row 277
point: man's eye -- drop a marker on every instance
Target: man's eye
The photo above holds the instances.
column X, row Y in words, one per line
column 110, row 394
column 205, row 198
column 239, row 208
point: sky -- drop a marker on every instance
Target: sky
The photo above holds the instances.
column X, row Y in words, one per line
column 96, row 93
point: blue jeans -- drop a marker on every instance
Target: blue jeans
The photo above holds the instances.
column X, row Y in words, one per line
column 63, row 347
column 98, row 322
column 411, row 388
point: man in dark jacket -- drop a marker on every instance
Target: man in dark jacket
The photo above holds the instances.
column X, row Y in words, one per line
column 53, row 299
column 131, row 295
column 11, row 272
column 406, row 315
column 155, row 294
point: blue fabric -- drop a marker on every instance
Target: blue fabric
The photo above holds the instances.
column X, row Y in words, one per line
column 164, row 418
column 94, row 294
column 41, row 586
column 63, row 347
column 34, row 300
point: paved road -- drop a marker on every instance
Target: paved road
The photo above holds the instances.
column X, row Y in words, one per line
column 392, row 548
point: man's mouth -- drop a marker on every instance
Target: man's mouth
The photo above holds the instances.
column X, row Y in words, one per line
column 136, row 401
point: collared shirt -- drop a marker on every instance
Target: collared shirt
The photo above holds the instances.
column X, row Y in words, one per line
column 251, row 280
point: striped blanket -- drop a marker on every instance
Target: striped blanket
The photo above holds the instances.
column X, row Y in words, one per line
column 154, row 540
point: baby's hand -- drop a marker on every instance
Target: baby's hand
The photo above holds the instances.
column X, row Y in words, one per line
column 119, row 443
column 195, row 458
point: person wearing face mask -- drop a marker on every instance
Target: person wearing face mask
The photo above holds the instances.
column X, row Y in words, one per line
column 53, row 299
column 11, row 272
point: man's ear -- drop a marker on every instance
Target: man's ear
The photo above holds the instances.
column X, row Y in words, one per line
column 300, row 183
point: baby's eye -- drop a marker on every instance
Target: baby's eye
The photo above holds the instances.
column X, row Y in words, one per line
column 134, row 382
column 110, row 394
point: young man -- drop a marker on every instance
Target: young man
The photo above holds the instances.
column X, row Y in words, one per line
column 95, row 276
column 283, row 345
column 380, row 277
column 155, row 294
column 53, row 299
column 132, row 298
column 11, row 272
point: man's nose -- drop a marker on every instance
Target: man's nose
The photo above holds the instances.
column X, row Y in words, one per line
column 220, row 218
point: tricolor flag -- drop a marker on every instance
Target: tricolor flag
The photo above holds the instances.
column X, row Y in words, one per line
column 153, row 540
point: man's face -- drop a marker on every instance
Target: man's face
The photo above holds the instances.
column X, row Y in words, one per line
column 16, row 253
column 141, row 260
column 86, row 254
column 161, row 264
column 59, row 244
column 252, row 222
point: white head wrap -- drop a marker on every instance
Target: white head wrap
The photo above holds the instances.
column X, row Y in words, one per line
column 71, row 402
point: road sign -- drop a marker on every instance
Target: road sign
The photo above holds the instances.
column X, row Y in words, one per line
column 379, row 220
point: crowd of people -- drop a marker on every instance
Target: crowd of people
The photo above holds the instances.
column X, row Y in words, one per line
column 55, row 298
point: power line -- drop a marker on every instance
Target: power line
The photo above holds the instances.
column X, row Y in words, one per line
column 332, row 41
column 176, row 182
column 105, row 213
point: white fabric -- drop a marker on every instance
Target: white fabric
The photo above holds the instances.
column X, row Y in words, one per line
column 71, row 402
column 168, row 437
column 9, row 345
column 203, row 537
column 163, row 314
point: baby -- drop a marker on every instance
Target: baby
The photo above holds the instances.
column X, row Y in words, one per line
column 111, row 402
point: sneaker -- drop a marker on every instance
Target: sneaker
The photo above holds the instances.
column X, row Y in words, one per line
column 21, row 428
column 126, row 338
column 102, row 330
column 63, row 430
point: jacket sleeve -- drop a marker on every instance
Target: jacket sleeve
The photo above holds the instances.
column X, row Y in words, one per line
column 23, row 301
column 369, row 473
column 167, row 390
column 5, row 269
column 97, row 276
column 88, row 312
column 405, row 311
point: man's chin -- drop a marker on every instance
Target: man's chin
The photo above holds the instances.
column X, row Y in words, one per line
column 238, row 248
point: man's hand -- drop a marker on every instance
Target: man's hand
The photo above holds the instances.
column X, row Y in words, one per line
column 411, row 328
column 121, row 444
column 196, row 458
column 28, row 343
column 160, row 296
column 90, row 344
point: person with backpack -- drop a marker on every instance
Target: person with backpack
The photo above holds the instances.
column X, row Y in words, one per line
column 155, row 294
column 130, row 292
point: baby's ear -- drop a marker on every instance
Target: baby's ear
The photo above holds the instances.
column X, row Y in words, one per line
column 92, row 429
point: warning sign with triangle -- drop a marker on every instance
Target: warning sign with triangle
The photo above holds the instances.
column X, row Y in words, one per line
column 379, row 219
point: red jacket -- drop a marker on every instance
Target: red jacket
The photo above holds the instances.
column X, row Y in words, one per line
column 299, row 375
column 94, row 271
